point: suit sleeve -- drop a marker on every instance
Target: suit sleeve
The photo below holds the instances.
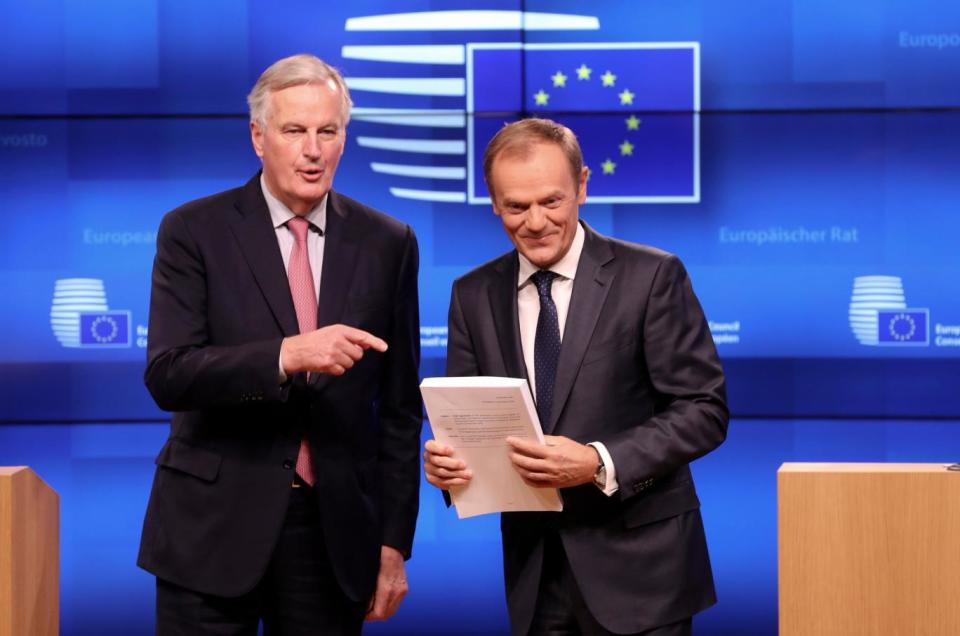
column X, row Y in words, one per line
column 461, row 359
column 691, row 415
column 184, row 370
column 401, row 411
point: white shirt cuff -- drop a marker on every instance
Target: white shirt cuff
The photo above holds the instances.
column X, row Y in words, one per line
column 283, row 376
column 611, row 486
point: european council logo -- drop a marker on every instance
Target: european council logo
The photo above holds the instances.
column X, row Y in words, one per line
column 80, row 316
column 879, row 315
column 908, row 326
column 634, row 105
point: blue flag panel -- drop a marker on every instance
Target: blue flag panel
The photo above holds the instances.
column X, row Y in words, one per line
column 903, row 327
column 634, row 107
column 105, row 329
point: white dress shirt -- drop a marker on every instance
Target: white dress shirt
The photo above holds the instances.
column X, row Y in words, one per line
column 528, row 309
column 317, row 217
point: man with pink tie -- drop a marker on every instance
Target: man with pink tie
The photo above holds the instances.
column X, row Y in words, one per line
column 284, row 335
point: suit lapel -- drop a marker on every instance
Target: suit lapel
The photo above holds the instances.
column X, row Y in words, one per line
column 341, row 249
column 503, row 306
column 590, row 289
column 254, row 232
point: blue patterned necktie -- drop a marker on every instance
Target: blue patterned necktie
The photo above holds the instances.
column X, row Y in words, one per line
column 546, row 347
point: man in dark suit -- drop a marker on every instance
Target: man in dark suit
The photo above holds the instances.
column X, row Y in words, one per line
column 288, row 489
column 628, row 389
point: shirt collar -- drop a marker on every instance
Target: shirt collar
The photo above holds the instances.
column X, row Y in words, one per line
column 280, row 214
column 566, row 266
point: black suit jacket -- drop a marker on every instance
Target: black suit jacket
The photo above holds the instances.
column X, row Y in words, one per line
column 638, row 371
column 219, row 308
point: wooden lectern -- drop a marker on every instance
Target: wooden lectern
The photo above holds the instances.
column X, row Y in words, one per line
column 869, row 549
column 29, row 554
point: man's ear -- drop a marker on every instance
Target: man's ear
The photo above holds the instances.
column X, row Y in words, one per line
column 256, row 138
column 582, row 186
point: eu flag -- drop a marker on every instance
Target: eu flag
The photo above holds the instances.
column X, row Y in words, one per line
column 903, row 327
column 634, row 108
column 105, row 329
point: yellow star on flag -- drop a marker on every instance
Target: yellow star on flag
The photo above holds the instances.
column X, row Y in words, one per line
column 541, row 98
column 559, row 79
column 583, row 72
column 633, row 123
column 626, row 148
column 626, row 97
column 608, row 167
column 608, row 79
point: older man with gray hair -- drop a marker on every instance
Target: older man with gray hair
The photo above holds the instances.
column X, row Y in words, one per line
column 284, row 336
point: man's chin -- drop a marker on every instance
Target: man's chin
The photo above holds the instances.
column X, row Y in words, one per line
column 312, row 195
column 542, row 258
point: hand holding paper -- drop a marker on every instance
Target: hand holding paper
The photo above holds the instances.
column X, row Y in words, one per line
column 559, row 463
column 442, row 468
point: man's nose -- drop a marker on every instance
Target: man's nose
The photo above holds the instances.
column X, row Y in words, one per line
column 311, row 146
column 536, row 219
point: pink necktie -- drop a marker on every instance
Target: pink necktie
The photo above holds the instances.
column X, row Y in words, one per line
column 305, row 304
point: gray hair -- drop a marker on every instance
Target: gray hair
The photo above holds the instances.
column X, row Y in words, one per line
column 295, row 70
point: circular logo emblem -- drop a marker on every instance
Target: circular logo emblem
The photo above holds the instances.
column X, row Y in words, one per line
column 104, row 329
column 902, row 327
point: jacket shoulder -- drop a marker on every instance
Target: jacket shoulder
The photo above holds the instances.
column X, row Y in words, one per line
column 205, row 206
column 206, row 216
column 481, row 275
column 637, row 254
column 384, row 223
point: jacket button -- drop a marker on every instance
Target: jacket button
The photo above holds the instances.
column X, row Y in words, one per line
column 288, row 464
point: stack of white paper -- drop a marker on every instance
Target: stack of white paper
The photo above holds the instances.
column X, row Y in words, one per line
column 475, row 415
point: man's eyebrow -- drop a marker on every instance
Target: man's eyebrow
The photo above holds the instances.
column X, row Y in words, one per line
column 322, row 126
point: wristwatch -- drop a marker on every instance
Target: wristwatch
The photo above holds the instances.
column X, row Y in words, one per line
column 600, row 474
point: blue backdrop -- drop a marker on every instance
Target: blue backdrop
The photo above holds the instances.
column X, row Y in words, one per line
column 800, row 157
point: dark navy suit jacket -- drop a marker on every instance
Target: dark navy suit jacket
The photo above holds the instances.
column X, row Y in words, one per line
column 638, row 371
column 219, row 308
